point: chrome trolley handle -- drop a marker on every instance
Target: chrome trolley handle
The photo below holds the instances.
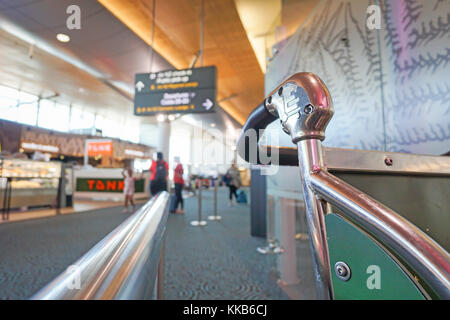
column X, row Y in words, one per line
column 304, row 107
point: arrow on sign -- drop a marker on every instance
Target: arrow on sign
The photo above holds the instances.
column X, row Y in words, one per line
column 207, row 104
column 139, row 86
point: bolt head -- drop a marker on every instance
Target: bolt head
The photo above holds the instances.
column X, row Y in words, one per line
column 388, row 161
column 280, row 91
column 308, row 109
column 342, row 271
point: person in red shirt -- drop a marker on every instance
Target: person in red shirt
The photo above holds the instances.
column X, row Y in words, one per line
column 179, row 182
column 159, row 173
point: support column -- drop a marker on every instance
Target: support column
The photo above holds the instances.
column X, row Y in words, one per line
column 258, row 205
column 191, row 152
column 164, row 138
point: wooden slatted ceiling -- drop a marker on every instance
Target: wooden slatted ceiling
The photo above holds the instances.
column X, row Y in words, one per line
column 177, row 38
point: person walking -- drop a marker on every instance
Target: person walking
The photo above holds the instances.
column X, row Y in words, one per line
column 234, row 182
column 128, row 189
column 159, row 172
column 179, row 183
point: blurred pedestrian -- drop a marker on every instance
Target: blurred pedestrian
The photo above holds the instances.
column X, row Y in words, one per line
column 234, row 181
column 159, row 172
column 179, row 183
column 128, row 189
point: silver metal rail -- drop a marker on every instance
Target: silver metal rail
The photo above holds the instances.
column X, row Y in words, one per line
column 367, row 161
column 304, row 107
column 126, row 264
column 315, row 217
column 422, row 254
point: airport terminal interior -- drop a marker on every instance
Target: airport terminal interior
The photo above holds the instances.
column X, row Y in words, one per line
column 224, row 150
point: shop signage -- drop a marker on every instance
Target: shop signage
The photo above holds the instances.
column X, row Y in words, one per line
column 67, row 144
column 106, row 185
column 134, row 153
column 175, row 91
column 39, row 147
column 99, row 147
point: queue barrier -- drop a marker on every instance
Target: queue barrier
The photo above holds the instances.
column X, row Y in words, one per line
column 215, row 217
column 200, row 222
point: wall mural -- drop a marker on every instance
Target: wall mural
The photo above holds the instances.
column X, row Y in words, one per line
column 390, row 87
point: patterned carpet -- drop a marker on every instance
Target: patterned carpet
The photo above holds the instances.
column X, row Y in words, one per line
column 217, row 261
column 33, row 252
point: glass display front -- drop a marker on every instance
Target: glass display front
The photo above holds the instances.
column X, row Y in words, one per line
column 15, row 168
column 37, row 183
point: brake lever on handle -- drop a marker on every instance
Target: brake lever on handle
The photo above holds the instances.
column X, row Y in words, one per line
column 303, row 105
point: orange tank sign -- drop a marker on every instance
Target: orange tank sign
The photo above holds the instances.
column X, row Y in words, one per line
column 97, row 148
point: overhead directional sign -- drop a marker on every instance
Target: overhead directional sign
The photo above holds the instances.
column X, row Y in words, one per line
column 175, row 91
column 139, row 86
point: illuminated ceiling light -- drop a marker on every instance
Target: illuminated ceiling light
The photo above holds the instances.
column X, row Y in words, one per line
column 62, row 37
column 160, row 117
column 171, row 117
column 213, row 125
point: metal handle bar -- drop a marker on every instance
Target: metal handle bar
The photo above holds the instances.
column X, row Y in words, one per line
column 126, row 264
column 304, row 106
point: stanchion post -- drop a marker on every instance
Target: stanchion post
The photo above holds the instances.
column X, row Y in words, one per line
column 4, row 203
column 200, row 200
column 7, row 199
column 215, row 217
column 59, row 194
column 199, row 222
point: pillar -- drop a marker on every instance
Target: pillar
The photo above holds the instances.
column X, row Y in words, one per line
column 164, row 138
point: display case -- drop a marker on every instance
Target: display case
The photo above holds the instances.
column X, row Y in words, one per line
column 33, row 183
column 19, row 168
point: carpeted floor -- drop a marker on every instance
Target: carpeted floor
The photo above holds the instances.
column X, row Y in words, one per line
column 34, row 252
column 217, row 261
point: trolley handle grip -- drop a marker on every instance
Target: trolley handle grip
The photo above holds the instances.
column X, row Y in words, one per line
column 257, row 121
column 304, row 106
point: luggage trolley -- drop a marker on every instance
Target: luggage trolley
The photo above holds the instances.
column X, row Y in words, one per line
column 354, row 238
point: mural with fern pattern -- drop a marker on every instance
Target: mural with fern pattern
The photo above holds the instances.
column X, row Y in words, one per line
column 390, row 87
